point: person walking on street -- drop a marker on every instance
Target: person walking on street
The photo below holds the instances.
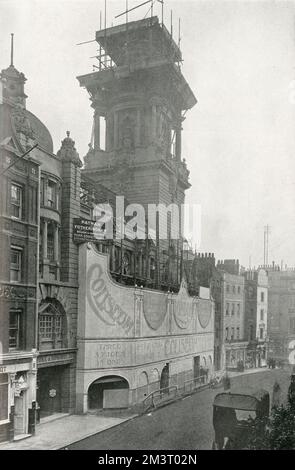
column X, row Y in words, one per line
column 276, row 395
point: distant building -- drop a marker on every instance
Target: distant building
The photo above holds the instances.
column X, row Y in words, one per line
column 228, row 292
column 199, row 269
column 256, row 316
column 281, row 313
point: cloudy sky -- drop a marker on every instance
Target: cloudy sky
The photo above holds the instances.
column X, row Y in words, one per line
column 239, row 140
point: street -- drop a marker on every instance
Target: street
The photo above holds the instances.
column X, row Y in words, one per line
column 185, row 424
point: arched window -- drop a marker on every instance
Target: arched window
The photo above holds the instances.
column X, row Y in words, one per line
column 52, row 326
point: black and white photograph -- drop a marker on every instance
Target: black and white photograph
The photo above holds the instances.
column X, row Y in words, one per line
column 147, row 228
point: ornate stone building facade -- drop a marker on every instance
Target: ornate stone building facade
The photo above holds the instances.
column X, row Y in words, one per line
column 19, row 182
column 40, row 196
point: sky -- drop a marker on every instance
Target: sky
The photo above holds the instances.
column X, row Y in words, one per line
column 238, row 141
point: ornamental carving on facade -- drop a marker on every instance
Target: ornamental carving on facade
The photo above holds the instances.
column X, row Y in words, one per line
column 9, row 292
column 68, row 151
column 183, row 309
column 21, row 122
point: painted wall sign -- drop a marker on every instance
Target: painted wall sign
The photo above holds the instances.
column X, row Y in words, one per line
column 103, row 303
column 106, row 354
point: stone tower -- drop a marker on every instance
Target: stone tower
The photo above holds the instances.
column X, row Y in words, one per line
column 139, row 96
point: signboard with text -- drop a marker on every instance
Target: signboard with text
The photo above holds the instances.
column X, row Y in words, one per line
column 83, row 231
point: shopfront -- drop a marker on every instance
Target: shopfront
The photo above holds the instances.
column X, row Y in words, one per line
column 54, row 379
column 18, row 398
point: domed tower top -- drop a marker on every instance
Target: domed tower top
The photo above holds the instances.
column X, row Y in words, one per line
column 20, row 121
column 13, row 83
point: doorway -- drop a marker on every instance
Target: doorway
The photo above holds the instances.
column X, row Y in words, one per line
column 164, row 381
column 50, row 390
column 20, row 415
column 196, row 367
column 108, row 392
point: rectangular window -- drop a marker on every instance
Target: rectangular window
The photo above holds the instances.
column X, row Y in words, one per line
column 239, row 289
column 16, row 196
column 226, row 334
column 50, row 246
column 262, row 296
column 234, row 289
column 262, row 314
column 232, row 310
column 51, row 194
column 46, row 327
column 14, row 329
column 227, row 309
column 15, row 264
column 238, row 333
column 261, row 333
column 232, row 333
column 238, row 310
column 3, row 397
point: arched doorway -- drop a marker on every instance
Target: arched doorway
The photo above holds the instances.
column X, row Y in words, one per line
column 53, row 383
column 164, row 381
column 108, row 392
column 142, row 386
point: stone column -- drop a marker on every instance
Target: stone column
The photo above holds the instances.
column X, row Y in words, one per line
column 96, row 131
column 154, row 123
column 113, row 257
column 57, row 251
column 116, row 128
column 45, row 254
column 56, row 243
column 107, row 137
column 140, row 264
column 147, row 267
column 178, row 143
column 138, row 127
column 45, row 225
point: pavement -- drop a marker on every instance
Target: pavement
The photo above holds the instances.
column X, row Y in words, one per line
column 67, row 430
column 64, row 431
